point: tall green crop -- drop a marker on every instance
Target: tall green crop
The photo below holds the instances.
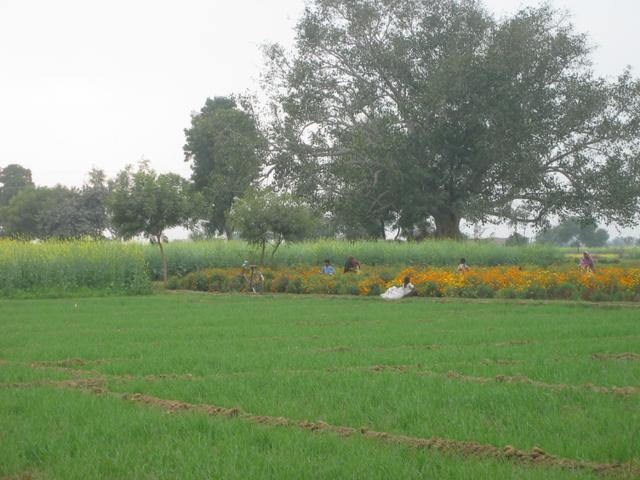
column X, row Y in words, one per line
column 55, row 268
column 185, row 257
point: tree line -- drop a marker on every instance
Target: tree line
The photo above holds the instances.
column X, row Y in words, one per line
column 406, row 116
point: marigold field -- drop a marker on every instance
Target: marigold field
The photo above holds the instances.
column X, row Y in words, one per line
column 607, row 283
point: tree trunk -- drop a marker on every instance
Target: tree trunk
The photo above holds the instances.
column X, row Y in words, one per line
column 264, row 246
column 383, row 232
column 275, row 249
column 447, row 225
column 164, row 260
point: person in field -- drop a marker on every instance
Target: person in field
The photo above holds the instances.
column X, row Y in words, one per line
column 327, row 268
column 587, row 263
column 396, row 293
column 351, row 265
column 462, row 266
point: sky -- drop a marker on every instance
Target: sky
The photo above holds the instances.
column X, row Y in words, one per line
column 104, row 84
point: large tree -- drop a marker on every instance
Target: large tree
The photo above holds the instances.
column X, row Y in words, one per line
column 225, row 149
column 13, row 178
column 435, row 110
column 45, row 212
column 92, row 199
column 58, row 212
column 144, row 203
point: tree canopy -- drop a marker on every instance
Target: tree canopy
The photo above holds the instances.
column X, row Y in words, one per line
column 58, row 212
column 225, row 149
column 410, row 111
column 572, row 232
column 13, row 178
column 144, row 203
column 263, row 216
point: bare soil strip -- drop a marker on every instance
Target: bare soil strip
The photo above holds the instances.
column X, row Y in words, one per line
column 450, row 375
column 69, row 362
column 154, row 378
column 617, row 356
column 535, row 383
column 511, row 343
column 338, row 349
column 488, row 361
column 406, row 347
column 22, row 476
column 82, row 384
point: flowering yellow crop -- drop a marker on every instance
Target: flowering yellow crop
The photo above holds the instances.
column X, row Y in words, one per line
column 610, row 283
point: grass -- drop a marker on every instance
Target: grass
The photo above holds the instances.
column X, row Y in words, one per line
column 415, row 368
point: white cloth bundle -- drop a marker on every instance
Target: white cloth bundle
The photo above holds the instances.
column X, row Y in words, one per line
column 396, row 293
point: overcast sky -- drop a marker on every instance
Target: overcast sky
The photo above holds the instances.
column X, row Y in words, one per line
column 85, row 83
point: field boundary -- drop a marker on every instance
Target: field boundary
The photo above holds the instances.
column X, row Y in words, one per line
column 81, row 375
column 485, row 301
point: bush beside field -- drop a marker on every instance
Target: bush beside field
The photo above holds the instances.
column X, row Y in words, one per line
column 55, row 268
column 185, row 257
column 607, row 284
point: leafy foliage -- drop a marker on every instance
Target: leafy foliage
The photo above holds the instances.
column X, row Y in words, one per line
column 145, row 203
column 516, row 239
column 263, row 217
column 13, row 178
column 224, row 147
column 419, row 110
column 58, row 212
column 572, row 232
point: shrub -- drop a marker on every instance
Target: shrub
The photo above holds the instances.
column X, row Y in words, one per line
column 174, row 283
column 280, row 283
column 508, row 293
column 484, row 291
column 374, row 290
column 564, row 290
column 386, row 276
column 535, row 292
column 429, row 289
column 295, row 286
column 235, row 283
column 217, row 282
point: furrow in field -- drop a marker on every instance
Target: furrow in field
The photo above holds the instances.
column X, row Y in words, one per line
column 533, row 457
column 417, row 369
column 68, row 362
column 617, row 356
column 535, row 383
column 85, row 383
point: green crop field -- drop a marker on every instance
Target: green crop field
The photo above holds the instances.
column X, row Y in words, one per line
column 187, row 256
column 194, row 385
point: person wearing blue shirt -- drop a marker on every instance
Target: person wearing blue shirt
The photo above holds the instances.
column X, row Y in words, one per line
column 328, row 269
